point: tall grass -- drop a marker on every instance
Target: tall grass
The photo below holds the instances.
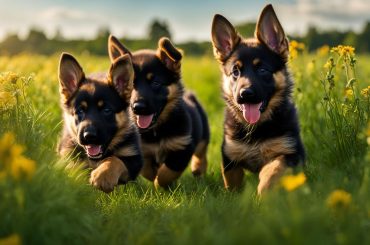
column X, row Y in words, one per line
column 59, row 207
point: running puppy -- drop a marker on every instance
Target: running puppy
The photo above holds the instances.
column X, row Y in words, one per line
column 97, row 126
column 172, row 124
column 261, row 131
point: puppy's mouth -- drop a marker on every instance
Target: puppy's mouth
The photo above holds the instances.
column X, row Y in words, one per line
column 252, row 112
column 144, row 121
column 94, row 151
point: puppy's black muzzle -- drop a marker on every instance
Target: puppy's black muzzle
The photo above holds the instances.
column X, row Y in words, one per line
column 248, row 95
column 89, row 135
column 141, row 108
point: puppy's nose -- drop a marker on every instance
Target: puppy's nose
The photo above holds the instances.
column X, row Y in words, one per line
column 90, row 133
column 246, row 93
column 139, row 107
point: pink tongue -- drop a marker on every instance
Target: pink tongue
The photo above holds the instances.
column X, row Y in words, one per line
column 93, row 150
column 251, row 112
column 144, row 121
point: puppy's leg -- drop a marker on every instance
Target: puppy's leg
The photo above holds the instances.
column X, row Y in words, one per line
column 199, row 159
column 270, row 173
column 106, row 176
column 149, row 170
column 175, row 164
column 166, row 176
column 233, row 178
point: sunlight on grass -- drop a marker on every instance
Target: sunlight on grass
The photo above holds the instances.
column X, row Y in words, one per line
column 47, row 203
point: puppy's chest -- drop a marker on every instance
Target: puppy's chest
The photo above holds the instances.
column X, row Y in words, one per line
column 254, row 155
column 160, row 147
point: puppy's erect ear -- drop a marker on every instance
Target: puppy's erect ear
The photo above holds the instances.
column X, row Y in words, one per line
column 169, row 55
column 224, row 37
column 121, row 76
column 270, row 32
column 70, row 75
column 116, row 48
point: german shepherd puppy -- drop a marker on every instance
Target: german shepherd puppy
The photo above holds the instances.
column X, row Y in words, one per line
column 97, row 125
column 172, row 124
column 261, row 131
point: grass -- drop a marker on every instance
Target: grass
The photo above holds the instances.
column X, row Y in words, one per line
column 59, row 207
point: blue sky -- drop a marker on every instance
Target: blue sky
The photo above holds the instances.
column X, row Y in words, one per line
column 189, row 19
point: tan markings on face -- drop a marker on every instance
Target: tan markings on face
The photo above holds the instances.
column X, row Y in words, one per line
column 100, row 103
column 238, row 63
column 70, row 122
column 174, row 96
column 256, row 61
column 88, row 87
column 149, row 76
column 127, row 151
column 260, row 152
column 277, row 98
column 83, row 104
column 121, row 119
column 270, row 173
column 125, row 126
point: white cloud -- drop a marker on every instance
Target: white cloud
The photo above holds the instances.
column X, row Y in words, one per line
column 339, row 14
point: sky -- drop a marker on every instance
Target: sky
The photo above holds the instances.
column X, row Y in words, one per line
column 187, row 19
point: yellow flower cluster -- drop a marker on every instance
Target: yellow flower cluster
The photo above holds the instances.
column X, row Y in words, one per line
column 339, row 199
column 7, row 83
column 12, row 162
column 323, row 50
column 365, row 92
column 348, row 92
column 292, row 182
column 343, row 50
column 294, row 48
column 13, row 239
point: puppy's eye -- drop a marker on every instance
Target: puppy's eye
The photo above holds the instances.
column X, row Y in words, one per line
column 263, row 72
column 235, row 72
column 156, row 85
column 107, row 111
column 80, row 111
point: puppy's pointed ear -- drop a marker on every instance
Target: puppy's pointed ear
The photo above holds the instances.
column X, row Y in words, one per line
column 169, row 55
column 70, row 75
column 121, row 76
column 270, row 32
column 224, row 37
column 116, row 48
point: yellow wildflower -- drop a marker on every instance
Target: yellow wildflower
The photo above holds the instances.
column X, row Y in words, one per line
column 13, row 239
column 323, row 50
column 292, row 182
column 339, row 199
column 365, row 92
column 294, row 48
column 348, row 93
column 12, row 162
column 344, row 50
column 7, row 100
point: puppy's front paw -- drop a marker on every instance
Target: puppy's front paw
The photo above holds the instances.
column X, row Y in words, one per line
column 106, row 176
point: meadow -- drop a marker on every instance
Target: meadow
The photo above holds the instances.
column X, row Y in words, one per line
column 327, row 201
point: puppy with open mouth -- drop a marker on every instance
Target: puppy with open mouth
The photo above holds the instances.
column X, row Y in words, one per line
column 98, row 129
column 261, row 130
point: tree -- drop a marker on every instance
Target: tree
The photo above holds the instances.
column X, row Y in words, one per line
column 158, row 29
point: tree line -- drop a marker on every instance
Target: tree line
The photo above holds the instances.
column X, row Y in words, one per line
column 37, row 41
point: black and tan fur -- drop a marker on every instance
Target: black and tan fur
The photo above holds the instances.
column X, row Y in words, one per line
column 178, row 131
column 98, row 129
column 255, row 73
